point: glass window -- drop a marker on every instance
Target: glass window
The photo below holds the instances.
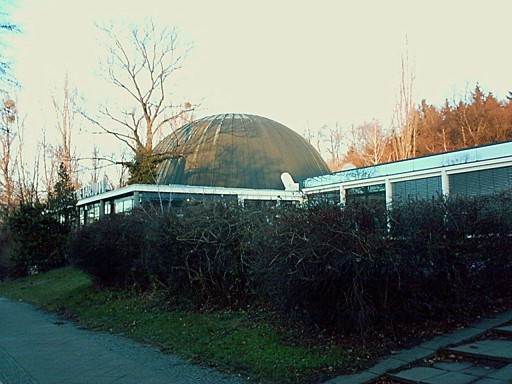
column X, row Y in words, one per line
column 108, row 208
column 426, row 188
column 327, row 196
column 478, row 183
column 370, row 193
column 82, row 213
column 93, row 212
column 124, row 204
column 255, row 204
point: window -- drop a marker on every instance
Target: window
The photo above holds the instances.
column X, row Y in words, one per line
column 93, row 212
column 107, row 208
column 370, row 193
column 124, row 204
column 328, row 196
column 477, row 183
column 82, row 213
column 256, row 204
column 425, row 188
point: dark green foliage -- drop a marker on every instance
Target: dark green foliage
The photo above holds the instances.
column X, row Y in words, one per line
column 62, row 200
column 110, row 250
column 143, row 168
column 204, row 255
column 37, row 234
column 216, row 250
column 323, row 261
column 40, row 237
column 451, row 251
column 355, row 267
column 7, row 250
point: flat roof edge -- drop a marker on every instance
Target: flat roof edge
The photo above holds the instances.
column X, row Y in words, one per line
column 178, row 188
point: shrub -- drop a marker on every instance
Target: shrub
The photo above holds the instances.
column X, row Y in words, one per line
column 346, row 268
column 39, row 238
column 352, row 267
column 319, row 263
column 110, row 249
column 216, row 253
column 203, row 255
column 448, row 248
column 8, row 248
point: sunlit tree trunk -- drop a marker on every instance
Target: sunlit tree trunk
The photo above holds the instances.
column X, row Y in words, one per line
column 9, row 116
column 405, row 122
column 65, row 117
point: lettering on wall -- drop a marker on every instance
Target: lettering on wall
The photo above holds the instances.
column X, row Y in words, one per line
column 92, row 189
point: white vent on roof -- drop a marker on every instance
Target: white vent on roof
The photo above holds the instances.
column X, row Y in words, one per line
column 289, row 184
column 348, row 166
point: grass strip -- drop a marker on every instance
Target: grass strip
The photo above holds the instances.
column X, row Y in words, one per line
column 233, row 341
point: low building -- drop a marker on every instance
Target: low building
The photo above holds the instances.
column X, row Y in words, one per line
column 475, row 171
column 254, row 160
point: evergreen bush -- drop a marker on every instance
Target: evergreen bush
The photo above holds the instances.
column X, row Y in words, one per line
column 40, row 239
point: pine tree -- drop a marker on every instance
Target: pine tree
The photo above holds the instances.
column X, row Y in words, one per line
column 62, row 201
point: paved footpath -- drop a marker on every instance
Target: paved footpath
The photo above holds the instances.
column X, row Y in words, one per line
column 40, row 348
column 478, row 354
column 37, row 347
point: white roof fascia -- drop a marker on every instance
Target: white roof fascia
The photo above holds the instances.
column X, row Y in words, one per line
column 244, row 193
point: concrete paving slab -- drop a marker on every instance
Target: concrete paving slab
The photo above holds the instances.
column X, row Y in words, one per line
column 507, row 329
column 413, row 354
column 357, row 378
column 488, row 349
column 428, row 375
column 418, row 374
column 497, row 343
column 479, row 371
column 504, row 373
column 464, row 334
column 505, row 317
column 490, row 322
column 487, row 380
column 386, row 365
column 451, row 378
column 454, row 366
column 439, row 342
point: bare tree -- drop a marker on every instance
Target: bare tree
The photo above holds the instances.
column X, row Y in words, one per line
column 336, row 142
column 19, row 181
column 65, row 113
column 405, row 117
column 142, row 66
column 50, row 165
column 9, row 115
column 373, row 142
column 120, row 177
column 27, row 175
column 28, row 181
column 95, row 165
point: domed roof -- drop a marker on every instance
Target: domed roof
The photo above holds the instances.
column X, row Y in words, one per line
column 237, row 151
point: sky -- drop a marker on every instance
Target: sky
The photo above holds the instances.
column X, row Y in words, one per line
column 302, row 63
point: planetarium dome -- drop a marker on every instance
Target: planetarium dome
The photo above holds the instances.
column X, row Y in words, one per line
column 236, row 151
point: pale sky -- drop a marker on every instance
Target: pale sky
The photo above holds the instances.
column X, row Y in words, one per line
column 296, row 62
